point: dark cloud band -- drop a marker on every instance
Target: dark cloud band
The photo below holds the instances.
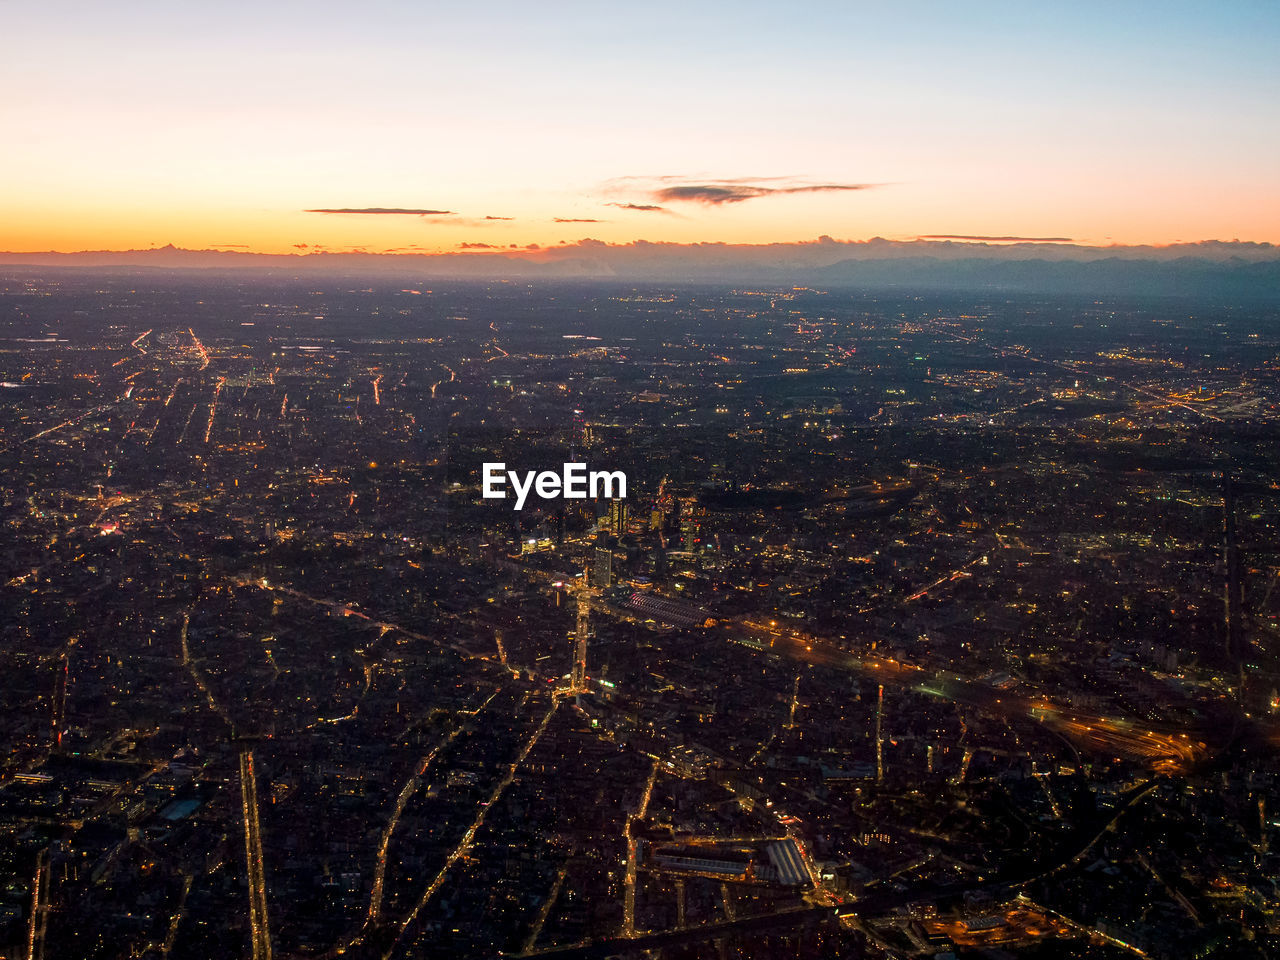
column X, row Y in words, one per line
column 719, row 192
column 963, row 236
column 647, row 207
column 395, row 211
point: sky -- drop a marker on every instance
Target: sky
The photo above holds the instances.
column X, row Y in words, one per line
column 135, row 124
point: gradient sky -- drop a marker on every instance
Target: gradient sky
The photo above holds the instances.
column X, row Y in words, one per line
column 136, row 124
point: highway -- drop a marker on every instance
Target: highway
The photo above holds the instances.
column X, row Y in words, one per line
column 544, row 911
column 629, row 897
column 258, row 928
column 39, row 923
column 464, row 845
column 402, row 800
column 197, row 677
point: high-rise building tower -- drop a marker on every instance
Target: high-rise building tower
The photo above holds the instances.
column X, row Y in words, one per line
column 691, row 528
column 602, row 573
column 578, row 675
column 659, row 562
column 618, row 517
column 880, row 734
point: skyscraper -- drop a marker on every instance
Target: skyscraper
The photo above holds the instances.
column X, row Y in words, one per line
column 618, row 517
column 602, row 573
column 578, row 675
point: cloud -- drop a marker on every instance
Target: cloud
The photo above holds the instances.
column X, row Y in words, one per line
column 649, row 207
column 717, row 193
column 962, row 236
column 575, row 220
column 653, row 192
column 499, row 218
column 478, row 246
column 401, row 211
column 709, row 193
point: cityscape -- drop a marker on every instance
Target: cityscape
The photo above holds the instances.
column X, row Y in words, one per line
column 925, row 625
column 665, row 481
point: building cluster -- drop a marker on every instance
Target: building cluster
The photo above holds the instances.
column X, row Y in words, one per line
column 927, row 627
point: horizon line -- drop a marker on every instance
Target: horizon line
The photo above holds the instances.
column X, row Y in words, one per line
column 476, row 250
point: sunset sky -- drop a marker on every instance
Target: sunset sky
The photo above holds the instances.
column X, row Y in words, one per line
column 136, row 124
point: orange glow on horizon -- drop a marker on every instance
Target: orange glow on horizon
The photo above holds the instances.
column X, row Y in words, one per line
column 129, row 130
column 290, row 233
column 1095, row 213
